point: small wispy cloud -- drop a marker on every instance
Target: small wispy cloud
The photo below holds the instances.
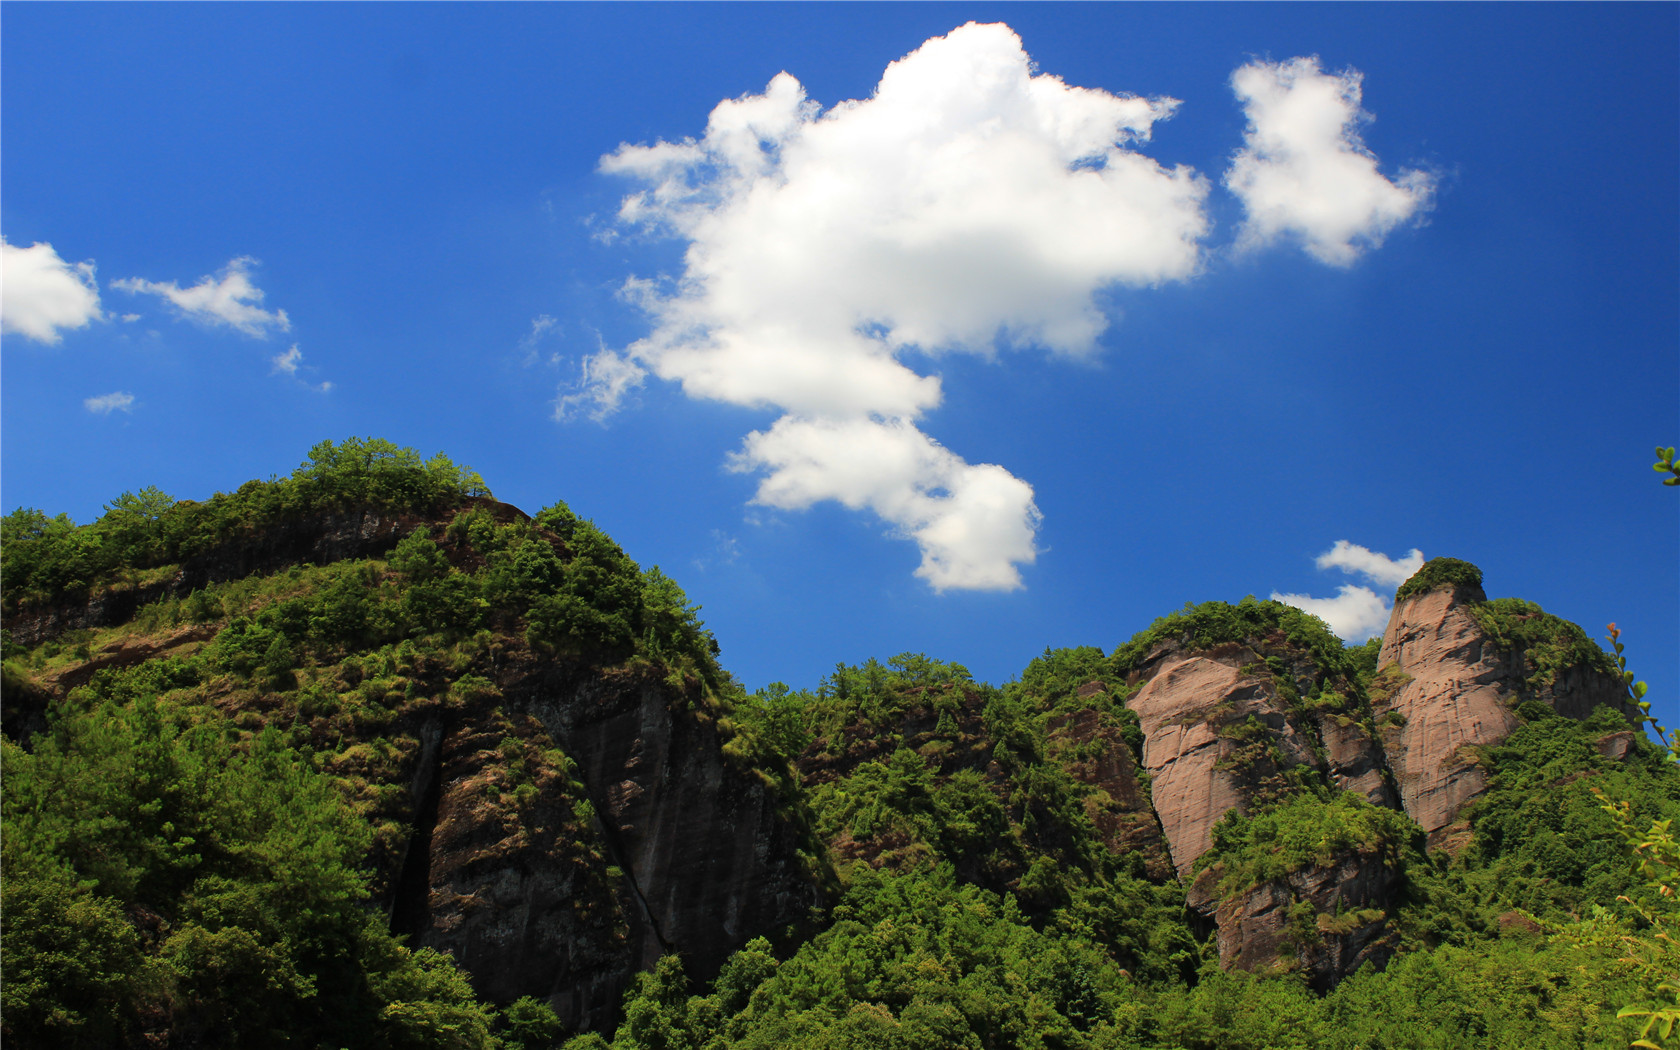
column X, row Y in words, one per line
column 605, row 378
column 725, row 550
column 1305, row 172
column 41, row 295
column 105, row 404
column 228, row 298
column 287, row 363
column 542, row 326
column 1356, row 612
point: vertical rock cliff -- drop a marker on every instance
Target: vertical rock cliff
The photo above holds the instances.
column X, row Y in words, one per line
column 1327, row 919
column 1246, row 710
column 1453, row 673
column 1234, row 725
column 584, row 826
column 1214, row 740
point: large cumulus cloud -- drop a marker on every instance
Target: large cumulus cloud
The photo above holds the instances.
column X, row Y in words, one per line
column 970, row 204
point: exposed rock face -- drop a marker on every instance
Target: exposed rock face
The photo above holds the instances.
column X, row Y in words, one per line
column 711, row 859
column 1440, row 676
column 506, row 889
column 1215, row 739
column 685, row 853
column 1355, row 760
column 1126, row 820
column 1615, row 746
column 1328, row 920
column 1455, row 690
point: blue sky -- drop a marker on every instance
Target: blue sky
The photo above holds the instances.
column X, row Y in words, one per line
column 1015, row 352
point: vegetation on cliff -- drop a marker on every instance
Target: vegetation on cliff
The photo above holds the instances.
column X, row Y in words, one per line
column 1437, row 573
column 217, row 818
column 51, row 559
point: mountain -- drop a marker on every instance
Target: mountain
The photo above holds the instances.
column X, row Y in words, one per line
column 361, row 756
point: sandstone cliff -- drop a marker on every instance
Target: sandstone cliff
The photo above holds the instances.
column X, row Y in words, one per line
column 1447, row 686
column 1211, row 737
column 1240, row 726
column 634, row 839
column 1225, row 728
column 1328, row 919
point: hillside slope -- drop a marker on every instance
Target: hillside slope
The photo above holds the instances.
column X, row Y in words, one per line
column 362, row 756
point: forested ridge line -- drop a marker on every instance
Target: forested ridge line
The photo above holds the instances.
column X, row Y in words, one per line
column 210, row 806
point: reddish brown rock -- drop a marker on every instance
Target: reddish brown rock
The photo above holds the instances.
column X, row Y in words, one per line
column 1355, row 760
column 1615, row 746
column 1447, row 687
column 1215, row 739
column 1326, row 920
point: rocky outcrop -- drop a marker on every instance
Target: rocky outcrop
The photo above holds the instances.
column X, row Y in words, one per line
column 1354, row 758
column 587, row 825
column 1216, row 738
column 1445, row 689
column 1327, row 920
column 1120, row 810
column 516, row 884
column 704, row 842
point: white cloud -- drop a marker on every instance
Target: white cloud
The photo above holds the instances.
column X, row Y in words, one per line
column 290, row 362
column 230, row 299
column 105, row 404
column 1378, row 568
column 1356, row 613
column 605, row 378
column 287, row 362
column 974, row 523
column 41, row 294
column 968, row 203
column 1304, row 170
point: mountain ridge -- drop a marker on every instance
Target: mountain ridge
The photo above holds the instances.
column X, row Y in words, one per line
column 562, row 788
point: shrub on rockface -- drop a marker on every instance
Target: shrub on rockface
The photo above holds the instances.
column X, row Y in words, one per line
column 1439, row 572
column 48, row 559
column 1303, row 832
column 1250, row 622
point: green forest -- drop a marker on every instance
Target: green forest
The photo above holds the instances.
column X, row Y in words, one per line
column 220, row 716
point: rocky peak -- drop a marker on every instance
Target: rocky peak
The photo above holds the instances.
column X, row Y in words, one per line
column 1243, row 705
column 1453, row 670
column 1215, row 739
